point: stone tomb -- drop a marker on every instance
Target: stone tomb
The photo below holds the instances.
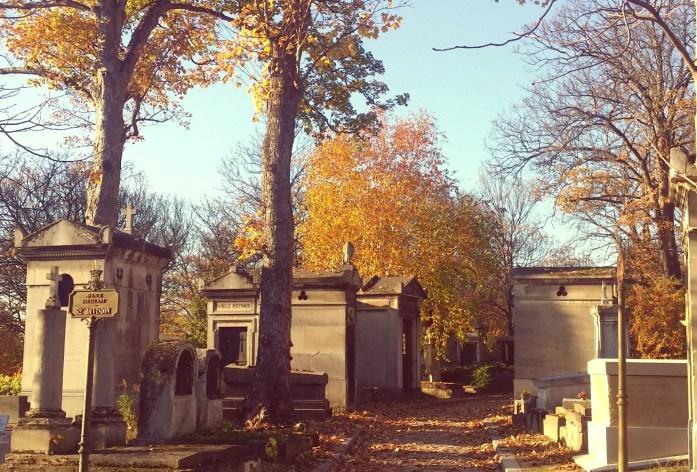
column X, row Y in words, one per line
column 322, row 330
column 133, row 267
column 168, row 403
column 656, row 411
column 388, row 334
column 209, row 389
column 360, row 340
column 555, row 331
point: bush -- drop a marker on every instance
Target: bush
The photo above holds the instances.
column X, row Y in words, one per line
column 127, row 407
column 461, row 375
column 482, row 376
column 10, row 384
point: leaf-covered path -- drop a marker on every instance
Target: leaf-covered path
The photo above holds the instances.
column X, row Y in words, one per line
column 421, row 434
column 432, row 435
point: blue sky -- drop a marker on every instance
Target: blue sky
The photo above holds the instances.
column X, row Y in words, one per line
column 463, row 90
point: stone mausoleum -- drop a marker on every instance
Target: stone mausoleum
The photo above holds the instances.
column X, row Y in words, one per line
column 130, row 265
column 563, row 318
column 363, row 336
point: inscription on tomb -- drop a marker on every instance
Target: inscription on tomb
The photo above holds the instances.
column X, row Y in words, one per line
column 235, row 307
column 89, row 303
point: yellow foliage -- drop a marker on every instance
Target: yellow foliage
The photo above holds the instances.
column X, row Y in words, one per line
column 279, row 34
column 392, row 197
column 63, row 44
column 656, row 304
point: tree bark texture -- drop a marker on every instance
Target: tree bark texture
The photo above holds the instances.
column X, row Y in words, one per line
column 269, row 397
column 109, row 134
column 667, row 240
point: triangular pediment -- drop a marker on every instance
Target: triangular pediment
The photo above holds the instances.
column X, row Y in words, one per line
column 63, row 233
column 230, row 281
column 414, row 288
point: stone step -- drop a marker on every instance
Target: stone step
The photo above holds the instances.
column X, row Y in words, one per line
column 163, row 458
column 236, row 402
column 304, row 409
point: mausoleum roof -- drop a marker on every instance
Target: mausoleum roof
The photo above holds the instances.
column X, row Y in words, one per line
column 393, row 285
column 566, row 273
column 240, row 280
column 78, row 237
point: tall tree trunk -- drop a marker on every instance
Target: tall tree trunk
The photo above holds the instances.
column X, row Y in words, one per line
column 667, row 241
column 665, row 222
column 109, row 133
column 269, row 397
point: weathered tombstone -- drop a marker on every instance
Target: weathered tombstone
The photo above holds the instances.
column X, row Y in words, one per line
column 167, row 401
column 45, row 428
column 133, row 267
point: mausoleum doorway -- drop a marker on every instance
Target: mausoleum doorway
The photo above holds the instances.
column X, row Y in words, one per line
column 232, row 344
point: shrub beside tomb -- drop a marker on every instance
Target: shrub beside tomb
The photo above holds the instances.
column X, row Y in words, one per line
column 10, row 384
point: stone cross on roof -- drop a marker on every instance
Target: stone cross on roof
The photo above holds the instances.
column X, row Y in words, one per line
column 53, row 301
column 348, row 251
column 129, row 212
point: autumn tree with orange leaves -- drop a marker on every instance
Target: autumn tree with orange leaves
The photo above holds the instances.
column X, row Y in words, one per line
column 126, row 63
column 392, row 196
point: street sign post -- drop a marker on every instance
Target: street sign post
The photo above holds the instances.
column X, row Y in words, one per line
column 100, row 304
column 91, row 305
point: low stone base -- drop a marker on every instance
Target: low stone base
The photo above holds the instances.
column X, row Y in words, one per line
column 644, row 443
column 104, row 435
column 587, row 463
column 179, row 458
column 108, row 429
column 552, row 390
column 45, row 435
column 14, row 406
column 4, row 445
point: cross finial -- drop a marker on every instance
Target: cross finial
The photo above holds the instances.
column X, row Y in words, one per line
column 129, row 212
column 53, row 300
column 603, row 299
column 348, row 251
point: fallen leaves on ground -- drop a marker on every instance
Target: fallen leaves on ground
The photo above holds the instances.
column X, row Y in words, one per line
column 535, row 450
column 430, row 435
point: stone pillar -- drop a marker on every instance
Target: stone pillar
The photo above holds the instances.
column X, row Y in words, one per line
column 103, row 398
column 690, row 240
column 49, row 347
column 45, row 428
column 107, row 427
column 605, row 321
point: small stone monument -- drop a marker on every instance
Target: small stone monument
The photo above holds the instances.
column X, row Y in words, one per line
column 45, row 428
column 167, row 397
